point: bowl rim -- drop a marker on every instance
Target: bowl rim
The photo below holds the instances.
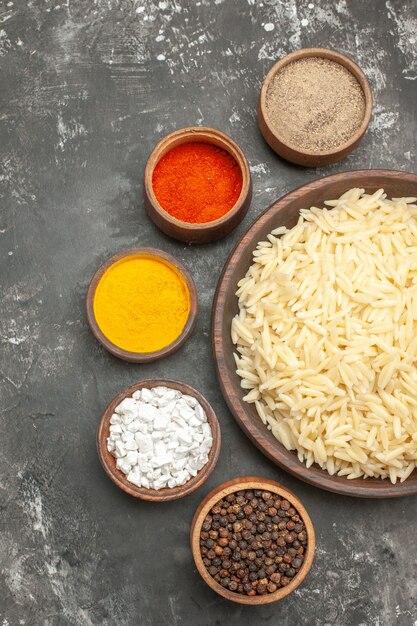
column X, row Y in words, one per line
column 337, row 57
column 365, row 488
column 119, row 478
column 231, row 486
column 142, row 357
column 206, row 134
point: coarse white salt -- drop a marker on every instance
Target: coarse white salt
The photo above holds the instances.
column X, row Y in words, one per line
column 159, row 437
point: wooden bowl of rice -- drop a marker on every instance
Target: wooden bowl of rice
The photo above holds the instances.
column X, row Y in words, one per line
column 285, row 212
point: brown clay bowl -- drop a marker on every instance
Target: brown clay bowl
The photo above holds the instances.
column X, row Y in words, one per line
column 208, row 231
column 231, row 486
column 142, row 357
column 157, row 495
column 309, row 158
column 285, row 212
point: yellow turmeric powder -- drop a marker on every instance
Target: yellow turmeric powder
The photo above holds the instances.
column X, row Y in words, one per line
column 141, row 303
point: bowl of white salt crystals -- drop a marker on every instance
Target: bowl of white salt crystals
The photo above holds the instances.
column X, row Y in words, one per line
column 159, row 440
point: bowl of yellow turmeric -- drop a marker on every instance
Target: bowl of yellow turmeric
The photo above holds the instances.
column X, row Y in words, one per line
column 141, row 304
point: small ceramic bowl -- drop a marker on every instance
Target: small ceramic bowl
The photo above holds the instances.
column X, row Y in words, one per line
column 311, row 158
column 142, row 357
column 157, row 495
column 208, row 231
column 250, row 482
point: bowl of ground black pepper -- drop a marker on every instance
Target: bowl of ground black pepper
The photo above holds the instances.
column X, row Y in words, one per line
column 314, row 107
column 252, row 540
column 197, row 185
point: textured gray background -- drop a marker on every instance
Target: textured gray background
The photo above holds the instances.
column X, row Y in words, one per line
column 88, row 87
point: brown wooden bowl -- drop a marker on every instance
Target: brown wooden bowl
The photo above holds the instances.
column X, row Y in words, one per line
column 142, row 357
column 157, row 495
column 285, row 212
column 310, row 158
column 231, row 486
column 207, row 231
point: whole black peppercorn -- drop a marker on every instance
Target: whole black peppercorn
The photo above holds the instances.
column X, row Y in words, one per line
column 253, row 542
column 261, row 589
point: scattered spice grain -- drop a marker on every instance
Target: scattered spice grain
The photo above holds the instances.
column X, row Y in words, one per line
column 254, row 552
column 197, row 182
column 315, row 104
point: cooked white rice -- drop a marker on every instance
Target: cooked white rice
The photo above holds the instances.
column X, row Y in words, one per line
column 326, row 335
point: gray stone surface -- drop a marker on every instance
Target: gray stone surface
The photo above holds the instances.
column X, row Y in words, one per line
column 88, row 87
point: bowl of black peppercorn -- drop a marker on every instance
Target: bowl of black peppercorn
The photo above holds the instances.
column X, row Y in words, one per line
column 252, row 540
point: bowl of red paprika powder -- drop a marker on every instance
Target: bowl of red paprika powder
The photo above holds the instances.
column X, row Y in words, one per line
column 198, row 185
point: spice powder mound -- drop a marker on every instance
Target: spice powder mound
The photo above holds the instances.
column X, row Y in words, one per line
column 197, row 182
column 141, row 304
column 315, row 104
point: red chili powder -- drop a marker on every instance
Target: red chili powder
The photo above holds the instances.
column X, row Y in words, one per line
column 197, row 182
